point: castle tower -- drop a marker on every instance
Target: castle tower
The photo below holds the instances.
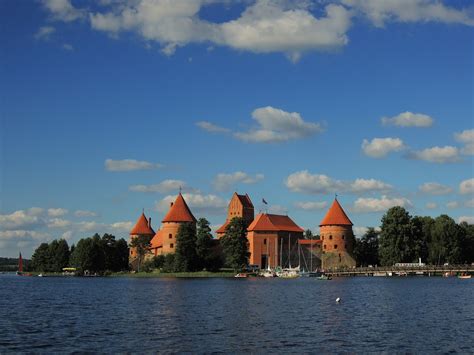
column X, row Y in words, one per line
column 142, row 227
column 337, row 238
column 239, row 206
column 164, row 241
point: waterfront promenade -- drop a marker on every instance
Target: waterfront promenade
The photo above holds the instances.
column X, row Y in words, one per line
column 428, row 270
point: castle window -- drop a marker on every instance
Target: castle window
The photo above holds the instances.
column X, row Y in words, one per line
column 170, row 236
column 342, row 237
column 324, row 246
column 171, row 246
column 265, row 242
column 322, row 237
column 330, row 237
column 335, row 246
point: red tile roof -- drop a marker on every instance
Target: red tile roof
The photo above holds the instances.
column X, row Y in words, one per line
column 179, row 212
column 222, row 228
column 157, row 241
column 336, row 216
column 273, row 222
column 142, row 227
column 309, row 241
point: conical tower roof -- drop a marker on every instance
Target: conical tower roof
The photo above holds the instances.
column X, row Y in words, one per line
column 142, row 227
column 179, row 212
column 336, row 216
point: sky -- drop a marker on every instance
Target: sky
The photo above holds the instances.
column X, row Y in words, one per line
column 109, row 107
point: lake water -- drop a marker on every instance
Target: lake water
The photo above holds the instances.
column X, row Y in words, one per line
column 414, row 314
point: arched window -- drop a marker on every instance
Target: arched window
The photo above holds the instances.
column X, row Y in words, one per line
column 330, row 237
column 265, row 242
column 171, row 246
column 324, row 246
column 335, row 246
column 342, row 237
column 170, row 235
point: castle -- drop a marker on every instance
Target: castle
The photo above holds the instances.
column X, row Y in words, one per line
column 274, row 240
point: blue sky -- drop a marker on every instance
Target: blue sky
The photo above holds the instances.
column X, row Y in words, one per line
column 107, row 107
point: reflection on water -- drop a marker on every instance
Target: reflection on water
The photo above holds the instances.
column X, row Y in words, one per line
column 207, row 315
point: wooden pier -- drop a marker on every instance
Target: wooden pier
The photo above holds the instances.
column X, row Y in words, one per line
column 425, row 270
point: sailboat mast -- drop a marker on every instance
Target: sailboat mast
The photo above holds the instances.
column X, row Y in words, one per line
column 311, row 254
column 268, row 254
column 281, row 252
column 289, row 252
column 20, row 264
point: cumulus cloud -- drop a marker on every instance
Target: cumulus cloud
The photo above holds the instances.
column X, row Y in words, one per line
column 198, row 203
column 44, row 32
column 129, row 165
column 63, row 10
column 440, row 155
column 121, row 227
column 467, row 138
column 57, row 212
column 311, row 205
column 210, row 127
column 381, row 147
column 467, row 186
column 276, row 125
column 467, row 219
column 305, row 182
column 381, row 12
column 22, row 219
column 433, row 188
column 431, row 205
column 452, row 204
column 469, row 203
column 85, row 213
column 408, row 119
column 224, row 182
column 382, row 204
column 58, row 223
column 165, row 186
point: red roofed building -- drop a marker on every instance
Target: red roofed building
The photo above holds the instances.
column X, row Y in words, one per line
column 272, row 239
column 164, row 241
column 239, row 206
column 337, row 238
column 142, row 227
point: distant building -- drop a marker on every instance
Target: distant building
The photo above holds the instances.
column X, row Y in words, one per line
column 164, row 241
column 273, row 241
column 142, row 227
column 239, row 206
column 337, row 238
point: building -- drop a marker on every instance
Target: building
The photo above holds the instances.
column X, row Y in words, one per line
column 164, row 241
column 337, row 238
column 239, row 206
column 142, row 227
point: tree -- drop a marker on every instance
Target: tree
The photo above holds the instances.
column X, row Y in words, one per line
column 308, row 234
column 366, row 249
column 142, row 244
column 445, row 243
column 467, row 242
column 204, row 244
column 115, row 252
column 235, row 244
column 186, row 257
column 396, row 237
column 59, row 255
column 422, row 227
column 40, row 258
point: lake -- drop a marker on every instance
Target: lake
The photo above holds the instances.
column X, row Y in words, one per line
column 412, row 314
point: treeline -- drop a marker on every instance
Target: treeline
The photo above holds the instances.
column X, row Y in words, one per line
column 11, row 264
column 403, row 238
column 94, row 255
column 197, row 250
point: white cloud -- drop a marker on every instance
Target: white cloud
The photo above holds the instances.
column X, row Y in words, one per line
column 67, row 235
column 469, row 203
column 57, row 212
column 305, row 182
column 440, row 155
column 408, row 119
column 431, row 205
column 380, row 12
column 63, row 10
column 129, row 165
column 311, row 206
column 224, row 182
column 85, row 213
column 466, row 137
column 122, row 227
column 467, row 219
column 452, row 204
column 380, row 147
column 275, row 125
column 278, row 209
column 198, row 203
column 165, row 186
column 379, row 204
column 467, row 186
column 24, row 234
column 22, row 219
column 360, row 231
column 68, row 47
column 58, row 223
column 210, row 127
column 90, row 226
column 265, row 26
column 44, row 32
column 433, row 188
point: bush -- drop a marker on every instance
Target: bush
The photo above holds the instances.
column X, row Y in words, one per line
column 169, row 264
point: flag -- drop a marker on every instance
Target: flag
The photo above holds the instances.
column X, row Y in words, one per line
column 265, row 202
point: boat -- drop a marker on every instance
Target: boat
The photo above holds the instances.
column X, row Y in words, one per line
column 20, row 267
column 464, row 276
column 324, row 277
column 268, row 273
column 241, row 275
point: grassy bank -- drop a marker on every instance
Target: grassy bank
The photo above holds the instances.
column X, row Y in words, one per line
column 199, row 274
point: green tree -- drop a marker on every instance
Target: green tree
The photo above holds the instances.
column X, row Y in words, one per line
column 422, row 227
column 186, row 257
column 467, row 242
column 169, row 264
column 59, row 255
column 396, row 237
column 366, row 249
column 142, row 244
column 446, row 241
column 41, row 258
column 204, row 244
column 235, row 244
column 115, row 253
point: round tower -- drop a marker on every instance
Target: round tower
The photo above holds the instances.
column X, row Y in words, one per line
column 337, row 238
column 142, row 227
